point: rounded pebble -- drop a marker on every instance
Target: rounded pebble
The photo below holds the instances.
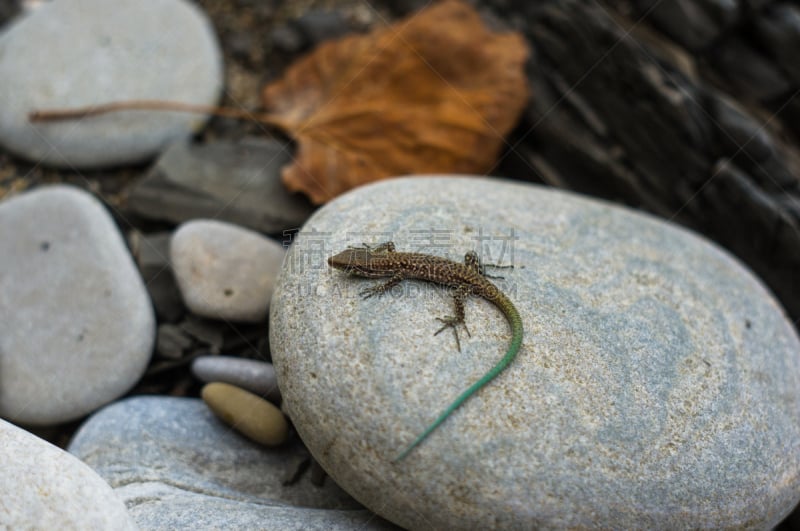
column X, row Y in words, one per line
column 224, row 271
column 658, row 383
column 44, row 487
column 78, row 328
column 78, row 53
column 249, row 414
column 255, row 376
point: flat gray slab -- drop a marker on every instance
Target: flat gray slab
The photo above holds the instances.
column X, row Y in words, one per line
column 176, row 466
column 658, row 383
column 238, row 182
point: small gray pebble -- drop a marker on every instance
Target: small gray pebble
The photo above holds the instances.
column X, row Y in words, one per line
column 258, row 377
column 224, row 271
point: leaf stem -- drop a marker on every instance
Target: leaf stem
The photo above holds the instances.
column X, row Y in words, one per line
column 52, row 115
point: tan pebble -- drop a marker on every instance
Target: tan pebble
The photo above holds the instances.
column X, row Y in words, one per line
column 249, row 414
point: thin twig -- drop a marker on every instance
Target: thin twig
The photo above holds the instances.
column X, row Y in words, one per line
column 50, row 115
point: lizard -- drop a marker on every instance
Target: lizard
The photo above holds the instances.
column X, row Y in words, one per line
column 467, row 279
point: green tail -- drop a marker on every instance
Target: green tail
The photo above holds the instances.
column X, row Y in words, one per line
column 516, row 342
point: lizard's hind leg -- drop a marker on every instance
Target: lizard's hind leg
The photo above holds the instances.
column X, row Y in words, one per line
column 453, row 321
column 471, row 259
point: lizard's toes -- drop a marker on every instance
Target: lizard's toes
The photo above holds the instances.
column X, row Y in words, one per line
column 369, row 292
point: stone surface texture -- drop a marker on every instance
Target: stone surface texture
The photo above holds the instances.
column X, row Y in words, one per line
column 238, row 182
column 225, row 271
column 77, row 327
column 79, row 53
column 44, row 487
column 658, row 385
column 178, row 467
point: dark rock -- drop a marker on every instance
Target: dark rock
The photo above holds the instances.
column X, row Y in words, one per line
column 577, row 154
column 260, row 8
column 321, row 25
column 151, row 252
column 172, row 341
column 790, row 113
column 756, row 5
column 240, row 45
column 238, row 182
column 774, row 176
column 751, row 73
column 740, row 133
column 403, row 7
column 651, row 111
column 617, row 113
column 695, row 24
column 288, row 39
column 755, row 225
column 311, row 29
column 210, row 333
column 732, row 188
column 9, row 9
column 779, row 30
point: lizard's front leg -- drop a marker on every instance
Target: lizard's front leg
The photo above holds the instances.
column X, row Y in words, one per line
column 380, row 289
column 472, row 261
column 385, row 247
column 453, row 321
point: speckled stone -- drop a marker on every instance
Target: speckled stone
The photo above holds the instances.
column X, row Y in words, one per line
column 43, row 487
column 225, row 271
column 250, row 415
column 658, row 384
column 255, row 376
column 77, row 327
column 176, row 466
column 78, row 53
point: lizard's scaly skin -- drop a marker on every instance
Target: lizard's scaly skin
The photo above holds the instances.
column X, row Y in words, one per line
column 467, row 278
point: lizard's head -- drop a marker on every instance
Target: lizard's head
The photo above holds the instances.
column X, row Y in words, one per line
column 366, row 262
column 354, row 261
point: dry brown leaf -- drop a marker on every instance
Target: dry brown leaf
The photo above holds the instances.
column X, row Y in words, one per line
column 433, row 93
